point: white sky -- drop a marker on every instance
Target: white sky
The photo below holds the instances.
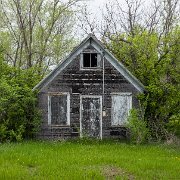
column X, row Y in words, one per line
column 96, row 4
column 95, row 7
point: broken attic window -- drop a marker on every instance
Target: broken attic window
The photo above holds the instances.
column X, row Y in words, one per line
column 93, row 60
column 86, row 60
column 90, row 60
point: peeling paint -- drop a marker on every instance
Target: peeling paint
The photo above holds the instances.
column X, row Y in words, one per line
column 121, row 105
column 91, row 117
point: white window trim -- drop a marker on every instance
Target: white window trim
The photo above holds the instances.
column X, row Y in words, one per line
column 68, row 106
column 90, row 96
column 130, row 105
column 122, row 93
column 90, row 68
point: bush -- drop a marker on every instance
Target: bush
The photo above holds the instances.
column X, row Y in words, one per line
column 173, row 126
column 3, row 132
column 19, row 116
column 139, row 133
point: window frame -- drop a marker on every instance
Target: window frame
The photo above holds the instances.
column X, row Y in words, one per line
column 68, row 107
column 90, row 68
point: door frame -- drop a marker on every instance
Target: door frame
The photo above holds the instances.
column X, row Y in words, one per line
column 90, row 96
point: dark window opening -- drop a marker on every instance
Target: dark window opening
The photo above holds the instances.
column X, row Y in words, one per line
column 90, row 60
column 93, row 60
column 86, row 60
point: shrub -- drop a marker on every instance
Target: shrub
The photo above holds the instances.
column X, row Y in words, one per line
column 3, row 132
column 19, row 116
column 139, row 133
column 173, row 126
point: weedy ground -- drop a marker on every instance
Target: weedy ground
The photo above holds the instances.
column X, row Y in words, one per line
column 88, row 160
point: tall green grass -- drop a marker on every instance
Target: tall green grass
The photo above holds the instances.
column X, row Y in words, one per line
column 88, row 160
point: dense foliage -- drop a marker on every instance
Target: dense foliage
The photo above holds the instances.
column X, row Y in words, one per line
column 19, row 117
column 139, row 133
column 156, row 63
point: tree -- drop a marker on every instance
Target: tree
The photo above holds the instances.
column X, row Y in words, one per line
column 147, row 43
column 36, row 33
column 19, row 116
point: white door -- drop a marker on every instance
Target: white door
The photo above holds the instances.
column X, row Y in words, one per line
column 121, row 105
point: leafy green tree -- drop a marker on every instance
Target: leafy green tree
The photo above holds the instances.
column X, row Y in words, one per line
column 36, row 33
column 156, row 63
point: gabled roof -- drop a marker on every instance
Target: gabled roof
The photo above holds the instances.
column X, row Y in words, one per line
column 91, row 40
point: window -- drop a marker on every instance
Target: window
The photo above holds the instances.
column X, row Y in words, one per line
column 121, row 105
column 90, row 60
column 59, row 109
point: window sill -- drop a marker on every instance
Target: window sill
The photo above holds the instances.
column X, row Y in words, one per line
column 59, row 126
column 91, row 69
column 116, row 126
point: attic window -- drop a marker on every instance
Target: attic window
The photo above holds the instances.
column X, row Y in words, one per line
column 90, row 61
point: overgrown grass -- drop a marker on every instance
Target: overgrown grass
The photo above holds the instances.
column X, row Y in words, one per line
column 88, row 160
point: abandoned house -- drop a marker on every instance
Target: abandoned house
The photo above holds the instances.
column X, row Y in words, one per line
column 90, row 93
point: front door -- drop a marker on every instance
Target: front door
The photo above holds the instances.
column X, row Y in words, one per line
column 91, row 116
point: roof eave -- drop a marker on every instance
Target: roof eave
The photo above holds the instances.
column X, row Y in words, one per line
column 40, row 85
column 135, row 82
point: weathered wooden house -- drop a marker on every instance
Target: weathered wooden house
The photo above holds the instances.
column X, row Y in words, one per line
column 88, row 94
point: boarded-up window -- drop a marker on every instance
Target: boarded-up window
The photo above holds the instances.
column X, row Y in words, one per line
column 121, row 105
column 59, row 109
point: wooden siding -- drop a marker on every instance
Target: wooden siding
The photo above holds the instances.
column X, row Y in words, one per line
column 84, row 82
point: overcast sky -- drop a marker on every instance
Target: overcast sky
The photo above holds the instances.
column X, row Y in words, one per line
column 95, row 8
column 95, row 4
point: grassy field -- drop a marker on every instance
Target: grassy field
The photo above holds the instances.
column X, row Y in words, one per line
column 87, row 160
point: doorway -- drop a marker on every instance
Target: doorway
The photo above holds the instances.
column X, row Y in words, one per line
column 91, row 116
